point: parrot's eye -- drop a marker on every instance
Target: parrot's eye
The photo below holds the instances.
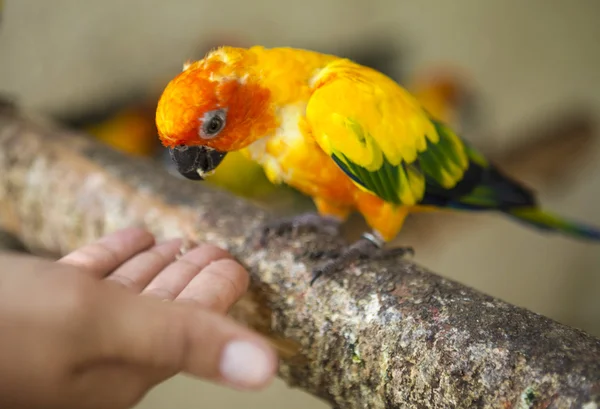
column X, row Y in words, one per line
column 212, row 123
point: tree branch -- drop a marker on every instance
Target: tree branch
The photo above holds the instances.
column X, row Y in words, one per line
column 381, row 334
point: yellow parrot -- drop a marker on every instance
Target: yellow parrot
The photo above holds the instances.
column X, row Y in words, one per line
column 447, row 95
column 344, row 134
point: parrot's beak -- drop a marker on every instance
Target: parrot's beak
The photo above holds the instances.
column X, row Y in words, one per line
column 193, row 162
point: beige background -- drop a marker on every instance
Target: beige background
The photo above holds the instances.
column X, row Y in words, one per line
column 528, row 60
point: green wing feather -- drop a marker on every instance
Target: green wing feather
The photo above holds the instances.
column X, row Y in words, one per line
column 379, row 135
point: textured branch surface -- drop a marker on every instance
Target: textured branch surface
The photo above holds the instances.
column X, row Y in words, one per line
column 381, row 334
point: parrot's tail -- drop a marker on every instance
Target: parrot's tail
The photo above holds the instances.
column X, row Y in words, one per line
column 536, row 217
column 485, row 187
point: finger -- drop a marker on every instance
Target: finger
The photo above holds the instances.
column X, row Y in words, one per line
column 220, row 285
column 179, row 337
column 109, row 385
column 137, row 272
column 103, row 256
column 174, row 278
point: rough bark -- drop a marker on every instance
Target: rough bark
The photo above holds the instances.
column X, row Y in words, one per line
column 383, row 333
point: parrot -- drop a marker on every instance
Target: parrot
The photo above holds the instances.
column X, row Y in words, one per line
column 344, row 134
column 127, row 130
column 445, row 94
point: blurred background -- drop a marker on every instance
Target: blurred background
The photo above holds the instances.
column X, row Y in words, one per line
column 521, row 80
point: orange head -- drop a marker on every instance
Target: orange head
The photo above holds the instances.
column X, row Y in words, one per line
column 216, row 105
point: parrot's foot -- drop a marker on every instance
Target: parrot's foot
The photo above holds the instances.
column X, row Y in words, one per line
column 303, row 223
column 367, row 247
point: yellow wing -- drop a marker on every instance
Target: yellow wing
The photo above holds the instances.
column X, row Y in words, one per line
column 380, row 136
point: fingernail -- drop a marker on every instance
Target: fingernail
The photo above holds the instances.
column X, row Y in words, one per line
column 246, row 365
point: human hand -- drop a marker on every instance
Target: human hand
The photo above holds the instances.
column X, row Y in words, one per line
column 77, row 333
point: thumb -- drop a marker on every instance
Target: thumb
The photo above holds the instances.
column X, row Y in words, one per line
column 181, row 337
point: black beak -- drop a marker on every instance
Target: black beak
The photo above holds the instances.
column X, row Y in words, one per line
column 195, row 161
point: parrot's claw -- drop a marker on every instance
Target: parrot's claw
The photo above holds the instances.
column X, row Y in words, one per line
column 303, row 223
column 367, row 247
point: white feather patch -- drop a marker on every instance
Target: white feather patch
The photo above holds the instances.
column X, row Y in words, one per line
column 288, row 135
